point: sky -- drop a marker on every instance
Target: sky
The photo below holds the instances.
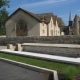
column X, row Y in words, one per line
column 61, row 8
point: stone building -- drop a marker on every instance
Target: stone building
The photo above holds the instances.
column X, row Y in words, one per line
column 26, row 23
column 74, row 26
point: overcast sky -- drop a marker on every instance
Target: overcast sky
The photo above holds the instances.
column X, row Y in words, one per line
column 61, row 8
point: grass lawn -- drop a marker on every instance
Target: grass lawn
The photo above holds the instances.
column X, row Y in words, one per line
column 61, row 67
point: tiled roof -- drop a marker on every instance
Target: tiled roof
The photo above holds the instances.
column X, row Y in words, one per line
column 46, row 16
column 26, row 11
column 31, row 13
column 55, row 19
column 39, row 17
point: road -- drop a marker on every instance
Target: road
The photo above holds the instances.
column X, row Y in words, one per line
column 13, row 72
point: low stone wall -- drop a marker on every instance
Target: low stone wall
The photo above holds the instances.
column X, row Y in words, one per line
column 37, row 39
column 53, row 50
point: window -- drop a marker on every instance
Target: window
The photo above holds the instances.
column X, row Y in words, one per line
column 51, row 23
column 21, row 25
column 18, row 26
column 51, row 32
column 43, row 31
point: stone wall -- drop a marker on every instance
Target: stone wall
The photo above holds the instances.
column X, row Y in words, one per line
column 37, row 39
column 60, row 51
column 32, row 24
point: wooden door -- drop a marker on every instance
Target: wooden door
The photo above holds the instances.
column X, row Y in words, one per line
column 21, row 28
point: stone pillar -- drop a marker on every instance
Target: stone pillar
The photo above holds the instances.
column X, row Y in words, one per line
column 10, row 46
column 18, row 47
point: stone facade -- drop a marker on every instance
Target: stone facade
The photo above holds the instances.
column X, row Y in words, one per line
column 32, row 24
column 25, row 23
column 74, row 25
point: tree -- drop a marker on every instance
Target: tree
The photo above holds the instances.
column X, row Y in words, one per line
column 61, row 24
column 3, row 15
column 3, row 12
column 4, row 3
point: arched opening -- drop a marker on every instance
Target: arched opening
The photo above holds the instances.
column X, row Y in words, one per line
column 21, row 28
column 51, row 32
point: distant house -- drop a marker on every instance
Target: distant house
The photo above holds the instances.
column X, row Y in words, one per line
column 26, row 23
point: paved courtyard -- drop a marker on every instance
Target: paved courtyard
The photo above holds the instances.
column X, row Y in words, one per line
column 12, row 72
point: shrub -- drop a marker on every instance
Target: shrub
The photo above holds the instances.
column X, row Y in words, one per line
column 71, row 72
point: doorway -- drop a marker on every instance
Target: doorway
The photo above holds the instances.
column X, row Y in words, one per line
column 21, row 28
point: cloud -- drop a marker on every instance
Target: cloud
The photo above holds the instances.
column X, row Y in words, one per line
column 42, row 3
column 78, row 10
column 33, row 3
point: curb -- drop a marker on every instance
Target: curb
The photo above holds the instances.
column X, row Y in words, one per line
column 67, row 60
column 53, row 73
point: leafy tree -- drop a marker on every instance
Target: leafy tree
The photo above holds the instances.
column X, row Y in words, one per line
column 3, row 15
column 4, row 3
column 3, row 12
column 61, row 24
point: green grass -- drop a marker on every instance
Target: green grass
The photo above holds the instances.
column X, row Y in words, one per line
column 61, row 67
column 69, row 70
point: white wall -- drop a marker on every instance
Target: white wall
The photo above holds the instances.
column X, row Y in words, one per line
column 43, row 27
column 57, row 29
column 51, row 27
column 54, row 28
